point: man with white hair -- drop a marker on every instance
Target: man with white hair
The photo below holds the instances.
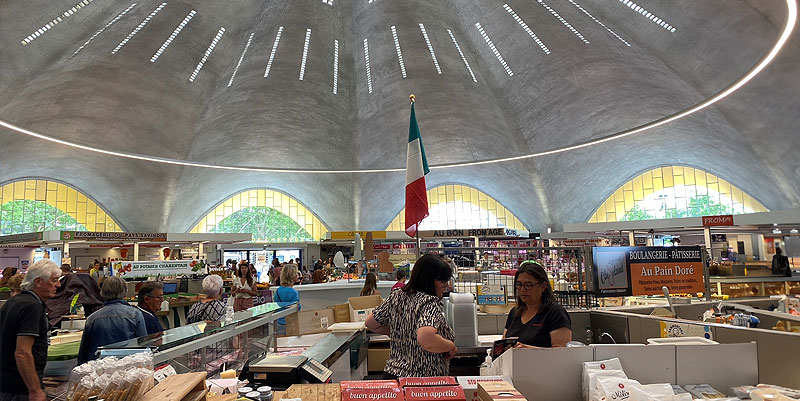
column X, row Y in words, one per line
column 24, row 334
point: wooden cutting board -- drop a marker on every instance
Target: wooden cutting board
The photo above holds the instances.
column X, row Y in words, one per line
column 185, row 387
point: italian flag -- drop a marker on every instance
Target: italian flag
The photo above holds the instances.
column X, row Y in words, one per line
column 416, row 168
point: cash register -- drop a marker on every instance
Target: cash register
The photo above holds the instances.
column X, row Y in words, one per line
column 281, row 371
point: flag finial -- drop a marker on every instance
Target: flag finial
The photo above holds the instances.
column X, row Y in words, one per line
column 412, row 97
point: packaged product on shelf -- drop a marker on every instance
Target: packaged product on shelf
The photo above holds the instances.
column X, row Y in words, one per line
column 447, row 393
column 615, row 388
column 428, row 381
column 102, row 378
column 742, row 391
column 593, row 377
column 653, row 392
column 788, row 392
column 608, row 364
column 372, row 394
column 769, row 394
column 678, row 389
column 368, row 384
column 704, row 391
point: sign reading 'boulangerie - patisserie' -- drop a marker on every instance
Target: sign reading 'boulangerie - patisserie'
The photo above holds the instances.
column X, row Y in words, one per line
column 646, row 270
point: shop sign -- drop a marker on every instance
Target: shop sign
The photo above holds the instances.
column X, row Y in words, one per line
column 584, row 241
column 15, row 238
column 491, row 295
column 163, row 267
column 645, row 270
column 473, row 232
column 724, row 220
column 719, row 238
column 352, row 234
column 111, row 236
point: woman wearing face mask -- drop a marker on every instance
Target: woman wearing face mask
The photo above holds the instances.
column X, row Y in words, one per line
column 538, row 321
column 422, row 342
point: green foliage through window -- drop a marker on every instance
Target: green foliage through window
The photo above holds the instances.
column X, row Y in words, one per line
column 266, row 224
column 25, row 216
column 700, row 205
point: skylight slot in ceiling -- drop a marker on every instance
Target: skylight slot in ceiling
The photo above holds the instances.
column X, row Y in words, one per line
column 210, row 48
column 241, row 58
column 430, row 48
column 494, row 49
column 172, row 37
column 460, row 53
column 563, row 21
column 272, row 53
column 96, row 34
column 305, row 54
column 138, row 28
column 599, row 22
column 39, row 32
column 527, row 29
column 399, row 52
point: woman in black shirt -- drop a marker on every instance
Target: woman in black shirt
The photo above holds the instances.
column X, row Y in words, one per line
column 538, row 321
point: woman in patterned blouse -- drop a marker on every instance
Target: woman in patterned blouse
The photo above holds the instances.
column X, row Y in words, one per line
column 422, row 342
column 211, row 308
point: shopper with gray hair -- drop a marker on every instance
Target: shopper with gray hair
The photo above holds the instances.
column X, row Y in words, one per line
column 211, row 308
column 24, row 334
column 151, row 295
column 116, row 321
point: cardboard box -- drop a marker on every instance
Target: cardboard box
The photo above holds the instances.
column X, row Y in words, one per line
column 470, row 384
column 428, row 381
column 341, row 313
column 376, row 359
column 368, row 384
column 498, row 391
column 312, row 392
column 361, row 307
column 372, row 394
column 309, row 322
column 441, row 393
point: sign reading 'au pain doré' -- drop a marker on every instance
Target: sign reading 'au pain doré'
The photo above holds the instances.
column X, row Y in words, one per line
column 679, row 269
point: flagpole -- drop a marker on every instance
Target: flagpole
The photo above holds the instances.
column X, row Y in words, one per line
column 416, row 234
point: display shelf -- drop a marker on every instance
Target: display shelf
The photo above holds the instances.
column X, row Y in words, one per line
column 739, row 287
column 200, row 344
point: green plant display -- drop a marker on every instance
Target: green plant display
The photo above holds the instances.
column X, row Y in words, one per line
column 700, row 205
column 266, row 224
column 25, row 216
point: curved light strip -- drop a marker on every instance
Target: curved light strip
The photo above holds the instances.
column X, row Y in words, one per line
column 791, row 6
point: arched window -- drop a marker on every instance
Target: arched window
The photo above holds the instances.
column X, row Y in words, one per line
column 41, row 205
column 460, row 207
column 270, row 216
column 672, row 192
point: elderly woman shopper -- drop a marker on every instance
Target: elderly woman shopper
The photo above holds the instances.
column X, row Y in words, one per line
column 116, row 321
column 422, row 342
column 211, row 308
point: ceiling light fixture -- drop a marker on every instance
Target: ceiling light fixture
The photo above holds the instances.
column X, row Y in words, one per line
column 765, row 61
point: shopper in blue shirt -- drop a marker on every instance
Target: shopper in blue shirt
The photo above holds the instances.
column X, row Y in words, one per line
column 116, row 321
column 285, row 293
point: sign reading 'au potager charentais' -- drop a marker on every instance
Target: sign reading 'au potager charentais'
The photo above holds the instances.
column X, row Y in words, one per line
column 158, row 267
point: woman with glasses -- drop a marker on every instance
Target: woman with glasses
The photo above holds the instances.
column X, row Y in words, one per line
column 538, row 321
column 422, row 342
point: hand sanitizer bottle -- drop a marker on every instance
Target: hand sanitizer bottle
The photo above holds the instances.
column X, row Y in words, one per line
column 487, row 365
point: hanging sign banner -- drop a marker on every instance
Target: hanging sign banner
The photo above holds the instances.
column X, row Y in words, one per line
column 127, row 269
column 645, row 270
column 352, row 234
column 723, row 220
column 15, row 238
column 111, row 236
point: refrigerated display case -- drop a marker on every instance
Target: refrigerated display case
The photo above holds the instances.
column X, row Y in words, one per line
column 211, row 346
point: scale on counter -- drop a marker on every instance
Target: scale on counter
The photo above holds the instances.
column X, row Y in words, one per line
column 279, row 370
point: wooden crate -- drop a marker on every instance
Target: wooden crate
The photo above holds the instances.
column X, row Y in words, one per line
column 185, row 387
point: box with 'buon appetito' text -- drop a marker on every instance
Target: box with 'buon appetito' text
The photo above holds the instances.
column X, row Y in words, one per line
column 368, row 384
column 372, row 394
column 444, row 393
column 428, row 381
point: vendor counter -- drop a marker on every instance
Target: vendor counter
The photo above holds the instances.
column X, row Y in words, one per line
column 322, row 295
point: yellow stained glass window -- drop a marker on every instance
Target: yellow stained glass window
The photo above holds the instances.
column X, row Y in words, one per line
column 43, row 205
column 672, row 192
column 460, row 207
column 271, row 216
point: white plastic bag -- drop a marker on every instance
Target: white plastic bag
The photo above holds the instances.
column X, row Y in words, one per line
column 653, row 392
column 608, row 364
column 595, row 375
column 617, row 389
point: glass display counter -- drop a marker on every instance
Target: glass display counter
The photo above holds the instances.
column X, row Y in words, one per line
column 211, row 346
column 742, row 287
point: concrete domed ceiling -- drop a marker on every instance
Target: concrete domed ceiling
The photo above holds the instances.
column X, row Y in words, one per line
column 319, row 84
